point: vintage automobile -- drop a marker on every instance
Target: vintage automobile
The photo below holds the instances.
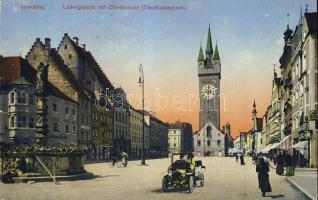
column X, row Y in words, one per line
column 182, row 175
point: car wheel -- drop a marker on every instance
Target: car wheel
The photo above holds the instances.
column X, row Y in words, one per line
column 202, row 181
column 165, row 184
column 191, row 184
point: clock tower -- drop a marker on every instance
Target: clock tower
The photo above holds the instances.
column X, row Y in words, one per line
column 209, row 72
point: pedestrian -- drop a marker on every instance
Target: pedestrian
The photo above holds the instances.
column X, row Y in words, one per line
column 280, row 164
column 242, row 159
column 124, row 158
column 262, row 169
column 289, row 165
column 275, row 159
column 114, row 157
column 236, row 157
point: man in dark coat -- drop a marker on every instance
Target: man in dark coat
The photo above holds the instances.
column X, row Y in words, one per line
column 242, row 159
column 263, row 178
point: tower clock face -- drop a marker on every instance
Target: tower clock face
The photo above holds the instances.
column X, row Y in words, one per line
column 208, row 91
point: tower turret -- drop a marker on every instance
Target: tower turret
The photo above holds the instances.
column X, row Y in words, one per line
column 201, row 55
column 209, row 47
column 216, row 55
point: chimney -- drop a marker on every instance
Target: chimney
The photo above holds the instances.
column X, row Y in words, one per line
column 47, row 43
column 83, row 46
column 65, row 34
column 37, row 40
column 75, row 40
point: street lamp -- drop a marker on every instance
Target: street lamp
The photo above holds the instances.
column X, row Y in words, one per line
column 141, row 83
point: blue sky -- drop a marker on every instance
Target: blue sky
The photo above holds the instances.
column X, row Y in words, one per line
column 249, row 35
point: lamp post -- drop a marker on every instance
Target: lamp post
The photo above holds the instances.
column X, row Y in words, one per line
column 141, row 83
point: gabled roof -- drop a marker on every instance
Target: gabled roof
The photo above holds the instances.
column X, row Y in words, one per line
column 24, row 74
column 67, row 72
column 312, row 21
column 214, row 128
column 92, row 63
column 54, row 91
column 61, row 66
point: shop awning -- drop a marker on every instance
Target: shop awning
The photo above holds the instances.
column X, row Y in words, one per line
column 274, row 146
column 301, row 145
column 266, row 149
column 279, row 145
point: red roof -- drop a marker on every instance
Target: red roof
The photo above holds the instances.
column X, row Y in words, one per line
column 13, row 68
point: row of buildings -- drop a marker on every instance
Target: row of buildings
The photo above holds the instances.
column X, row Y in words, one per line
column 290, row 122
column 62, row 96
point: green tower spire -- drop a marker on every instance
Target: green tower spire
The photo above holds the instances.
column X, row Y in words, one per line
column 209, row 47
column 216, row 55
column 201, row 56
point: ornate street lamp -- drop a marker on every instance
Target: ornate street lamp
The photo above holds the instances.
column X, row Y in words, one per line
column 141, row 83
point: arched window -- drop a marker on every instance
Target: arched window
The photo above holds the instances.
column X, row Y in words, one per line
column 11, row 97
column 12, row 122
column 208, row 131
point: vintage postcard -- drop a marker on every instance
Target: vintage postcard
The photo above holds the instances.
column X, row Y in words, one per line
column 158, row 99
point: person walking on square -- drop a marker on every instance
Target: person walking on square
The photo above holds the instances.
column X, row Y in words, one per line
column 280, row 164
column 124, row 158
column 289, row 165
column 242, row 159
column 236, row 157
column 262, row 168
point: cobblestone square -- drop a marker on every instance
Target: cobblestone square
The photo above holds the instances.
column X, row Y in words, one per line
column 225, row 179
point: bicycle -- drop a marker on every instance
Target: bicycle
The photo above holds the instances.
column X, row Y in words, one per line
column 117, row 163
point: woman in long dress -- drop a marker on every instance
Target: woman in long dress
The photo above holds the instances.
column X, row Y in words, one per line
column 280, row 165
column 262, row 169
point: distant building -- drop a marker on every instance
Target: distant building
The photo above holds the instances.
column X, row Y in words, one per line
column 136, row 132
column 249, row 142
column 180, row 137
column 209, row 141
column 237, row 144
column 121, row 108
column 228, row 140
column 158, row 140
column 243, row 138
column 257, row 130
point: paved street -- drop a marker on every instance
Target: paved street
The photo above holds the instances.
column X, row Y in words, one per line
column 225, row 179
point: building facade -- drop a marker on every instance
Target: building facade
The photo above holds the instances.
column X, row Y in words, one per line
column 18, row 99
column 209, row 141
column 121, row 109
column 180, row 137
column 136, row 132
column 95, row 83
